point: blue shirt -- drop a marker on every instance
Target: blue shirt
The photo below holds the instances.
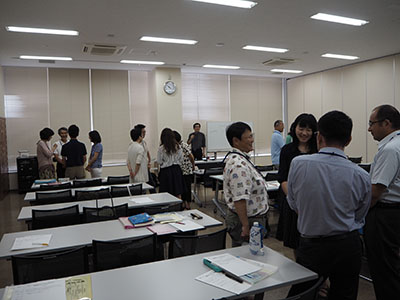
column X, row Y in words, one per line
column 277, row 143
column 330, row 193
column 98, row 162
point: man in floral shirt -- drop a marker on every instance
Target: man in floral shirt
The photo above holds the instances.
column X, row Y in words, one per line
column 245, row 189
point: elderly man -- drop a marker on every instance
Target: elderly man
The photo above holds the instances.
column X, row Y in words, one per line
column 245, row 189
column 331, row 196
column 382, row 229
column 277, row 143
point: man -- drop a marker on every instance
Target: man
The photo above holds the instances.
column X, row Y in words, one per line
column 137, row 158
column 74, row 155
column 245, row 189
column 150, row 180
column 382, row 229
column 197, row 140
column 331, row 196
column 277, row 143
column 60, row 168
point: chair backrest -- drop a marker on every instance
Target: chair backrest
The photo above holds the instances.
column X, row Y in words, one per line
column 55, row 217
column 265, row 168
column 30, row 268
column 271, row 176
column 87, row 182
column 356, row 160
column 122, row 191
column 181, row 245
column 50, row 187
column 366, row 167
column 117, row 179
column 53, row 197
column 158, row 209
column 93, row 214
column 117, row 254
column 93, row 194
column 208, row 182
column 310, row 294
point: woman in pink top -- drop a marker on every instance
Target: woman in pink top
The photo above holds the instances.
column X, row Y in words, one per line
column 45, row 155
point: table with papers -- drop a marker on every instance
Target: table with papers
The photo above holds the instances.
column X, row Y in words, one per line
column 153, row 281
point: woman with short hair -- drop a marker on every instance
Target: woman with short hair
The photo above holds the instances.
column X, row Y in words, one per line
column 45, row 154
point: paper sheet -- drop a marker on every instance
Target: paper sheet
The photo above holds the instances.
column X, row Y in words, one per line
column 187, row 225
column 219, row 280
column 167, row 218
column 141, row 200
column 233, row 264
column 161, row 229
column 78, row 287
column 31, row 241
column 266, row 271
column 49, row 289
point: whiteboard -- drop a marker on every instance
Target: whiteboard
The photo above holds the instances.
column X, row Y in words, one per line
column 216, row 136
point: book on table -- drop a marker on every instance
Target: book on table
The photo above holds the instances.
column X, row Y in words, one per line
column 141, row 220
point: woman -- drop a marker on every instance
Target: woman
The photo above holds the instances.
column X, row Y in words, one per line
column 187, row 170
column 95, row 165
column 45, row 154
column 304, row 141
column 169, row 158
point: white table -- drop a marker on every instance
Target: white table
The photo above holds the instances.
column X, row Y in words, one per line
column 175, row 279
column 83, row 234
column 32, row 197
column 158, row 199
column 37, row 186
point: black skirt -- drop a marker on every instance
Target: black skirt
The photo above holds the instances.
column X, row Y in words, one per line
column 171, row 180
column 287, row 225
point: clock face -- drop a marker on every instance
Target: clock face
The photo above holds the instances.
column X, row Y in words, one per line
column 169, row 87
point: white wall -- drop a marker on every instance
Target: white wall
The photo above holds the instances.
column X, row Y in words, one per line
column 354, row 89
column 2, row 112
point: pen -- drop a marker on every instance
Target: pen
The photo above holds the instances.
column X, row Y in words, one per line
column 232, row 276
column 41, row 244
column 180, row 223
column 218, row 269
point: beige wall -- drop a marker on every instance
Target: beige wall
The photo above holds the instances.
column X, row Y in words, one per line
column 354, row 89
column 2, row 112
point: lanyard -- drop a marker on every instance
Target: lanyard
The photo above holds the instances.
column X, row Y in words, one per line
column 241, row 154
column 332, row 153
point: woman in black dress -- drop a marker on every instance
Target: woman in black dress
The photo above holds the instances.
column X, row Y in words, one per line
column 304, row 141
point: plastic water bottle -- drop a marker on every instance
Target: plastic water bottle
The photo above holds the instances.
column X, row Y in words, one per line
column 256, row 239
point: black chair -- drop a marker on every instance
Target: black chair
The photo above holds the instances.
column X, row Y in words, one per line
column 30, row 268
column 93, row 194
column 117, row 254
column 265, row 168
column 122, row 191
column 52, row 197
column 55, row 217
column 93, row 214
column 87, row 182
column 271, row 176
column 309, row 294
column 50, row 187
column 356, row 160
column 209, row 182
column 158, row 209
column 117, row 179
column 366, row 167
column 181, row 245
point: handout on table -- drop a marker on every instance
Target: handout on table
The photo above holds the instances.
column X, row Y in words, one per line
column 141, row 200
column 233, row 264
column 31, row 241
column 219, row 280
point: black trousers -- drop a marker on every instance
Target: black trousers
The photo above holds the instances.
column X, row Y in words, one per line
column 338, row 259
column 382, row 241
column 187, row 194
column 60, row 170
column 198, row 154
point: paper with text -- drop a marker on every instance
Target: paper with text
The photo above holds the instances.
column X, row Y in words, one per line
column 78, row 287
column 233, row 264
column 141, row 200
column 219, row 280
column 31, row 241
column 187, row 225
column 49, row 289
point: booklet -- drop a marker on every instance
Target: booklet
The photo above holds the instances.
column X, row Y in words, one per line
column 31, row 241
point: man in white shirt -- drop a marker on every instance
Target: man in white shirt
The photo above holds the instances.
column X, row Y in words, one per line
column 60, row 168
column 277, row 143
column 137, row 162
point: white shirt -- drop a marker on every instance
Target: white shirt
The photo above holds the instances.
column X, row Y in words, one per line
column 385, row 169
column 137, row 155
column 59, row 144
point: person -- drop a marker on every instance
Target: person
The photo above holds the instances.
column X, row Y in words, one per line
column 187, row 167
column 197, row 141
column 277, row 143
column 74, row 155
column 245, row 189
column 60, row 169
column 150, row 181
column 169, row 158
column 382, row 228
column 331, row 196
column 137, row 158
column 302, row 130
column 45, row 154
column 95, row 164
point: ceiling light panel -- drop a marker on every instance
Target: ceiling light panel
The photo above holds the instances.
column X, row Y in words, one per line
column 221, row 67
column 45, row 57
column 167, row 40
column 286, row 71
column 265, row 49
column 339, row 19
column 141, row 62
column 42, row 30
column 340, row 56
column 234, row 3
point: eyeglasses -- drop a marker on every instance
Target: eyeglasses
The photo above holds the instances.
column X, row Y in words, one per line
column 370, row 123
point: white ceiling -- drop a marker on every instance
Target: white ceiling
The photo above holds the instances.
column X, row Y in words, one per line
column 279, row 23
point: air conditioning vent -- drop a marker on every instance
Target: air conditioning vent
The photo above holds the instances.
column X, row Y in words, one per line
column 104, row 50
column 278, row 61
column 47, row 61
